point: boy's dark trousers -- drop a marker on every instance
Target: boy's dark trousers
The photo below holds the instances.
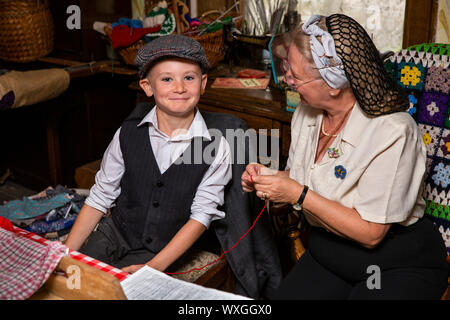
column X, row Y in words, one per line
column 107, row 245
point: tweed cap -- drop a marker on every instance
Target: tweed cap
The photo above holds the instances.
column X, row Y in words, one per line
column 173, row 45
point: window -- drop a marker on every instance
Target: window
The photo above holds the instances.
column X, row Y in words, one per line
column 382, row 19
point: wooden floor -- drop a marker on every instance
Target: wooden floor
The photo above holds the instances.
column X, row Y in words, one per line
column 14, row 191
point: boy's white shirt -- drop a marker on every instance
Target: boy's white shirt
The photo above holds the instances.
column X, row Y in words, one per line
column 210, row 192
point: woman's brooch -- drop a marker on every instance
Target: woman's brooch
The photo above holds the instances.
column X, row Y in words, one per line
column 340, row 172
column 334, row 153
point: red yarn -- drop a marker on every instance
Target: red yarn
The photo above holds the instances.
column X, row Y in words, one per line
column 223, row 254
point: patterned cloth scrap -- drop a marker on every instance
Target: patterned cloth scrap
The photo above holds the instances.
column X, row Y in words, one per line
column 25, row 265
column 29, row 208
column 423, row 71
column 60, row 206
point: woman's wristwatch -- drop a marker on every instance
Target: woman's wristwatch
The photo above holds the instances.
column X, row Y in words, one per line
column 298, row 205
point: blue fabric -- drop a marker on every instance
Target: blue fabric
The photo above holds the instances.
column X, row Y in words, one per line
column 132, row 23
column 43, row 226
column 28, row 208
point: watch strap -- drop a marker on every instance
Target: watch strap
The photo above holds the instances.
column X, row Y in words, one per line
column 298, row 205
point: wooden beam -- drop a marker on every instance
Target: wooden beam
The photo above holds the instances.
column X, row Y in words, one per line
column 420, row 22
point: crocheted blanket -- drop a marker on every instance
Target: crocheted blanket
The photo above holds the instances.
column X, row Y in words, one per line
column 423, row 70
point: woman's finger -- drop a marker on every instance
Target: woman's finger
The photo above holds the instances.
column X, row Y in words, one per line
column 246, row 187
column 264, row 180
column 253, row 169
column 246, row 182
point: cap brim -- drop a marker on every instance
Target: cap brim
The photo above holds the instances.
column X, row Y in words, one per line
column 144, row 71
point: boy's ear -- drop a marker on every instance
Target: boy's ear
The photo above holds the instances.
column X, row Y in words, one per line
column 204, row 81
column 145, row 85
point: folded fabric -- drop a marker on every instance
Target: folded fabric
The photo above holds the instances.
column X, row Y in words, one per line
column 100, row 27
column 150, row 22
column 193, row 22
column 58, row 217
column 30, row 208
column 43, row 226
column 25, row 264
column 132, row 23
column 31, row 87
column 156, row 16
column 7, row 100
column 6, row 224
column 23, row 223
column 159, row 9
column 59, row 235
column 124, row 36
column 168, row 27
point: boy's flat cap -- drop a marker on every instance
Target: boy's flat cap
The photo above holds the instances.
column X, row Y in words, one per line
column 173, row 45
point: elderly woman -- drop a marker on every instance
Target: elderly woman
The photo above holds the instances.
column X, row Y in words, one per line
column 355, row 169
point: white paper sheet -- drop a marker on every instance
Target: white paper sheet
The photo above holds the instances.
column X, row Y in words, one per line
column 150, row 284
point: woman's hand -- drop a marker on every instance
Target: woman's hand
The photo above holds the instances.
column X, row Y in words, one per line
column 277, row 188
column 252, row 170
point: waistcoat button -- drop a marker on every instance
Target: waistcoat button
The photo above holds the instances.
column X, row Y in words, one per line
column 159, row 183
column 156, row 203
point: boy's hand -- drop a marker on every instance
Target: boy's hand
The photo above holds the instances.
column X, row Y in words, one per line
column 133, row 268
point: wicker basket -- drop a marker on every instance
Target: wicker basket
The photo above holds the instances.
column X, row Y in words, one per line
column 129, row 53
column 26, row 30
column 213, row 43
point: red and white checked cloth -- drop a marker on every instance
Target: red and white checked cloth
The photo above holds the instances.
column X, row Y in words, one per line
column 119, row 274
column 25, row 265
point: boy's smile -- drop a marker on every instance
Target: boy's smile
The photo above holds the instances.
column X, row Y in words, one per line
column 176, row 85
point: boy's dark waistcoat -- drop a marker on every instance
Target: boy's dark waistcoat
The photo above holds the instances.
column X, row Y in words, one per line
column 152, row 206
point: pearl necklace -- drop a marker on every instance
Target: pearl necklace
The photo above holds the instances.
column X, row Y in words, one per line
column 327, row 134
column 337, row 128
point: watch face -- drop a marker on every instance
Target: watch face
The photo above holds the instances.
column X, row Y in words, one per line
column 297, row 207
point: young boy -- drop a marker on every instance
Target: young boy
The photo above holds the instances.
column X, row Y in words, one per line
column 159, row 207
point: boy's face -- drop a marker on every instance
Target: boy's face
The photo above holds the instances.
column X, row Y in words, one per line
column 176, row 85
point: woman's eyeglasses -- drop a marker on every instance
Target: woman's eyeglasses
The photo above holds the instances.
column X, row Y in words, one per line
column 291, row 80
